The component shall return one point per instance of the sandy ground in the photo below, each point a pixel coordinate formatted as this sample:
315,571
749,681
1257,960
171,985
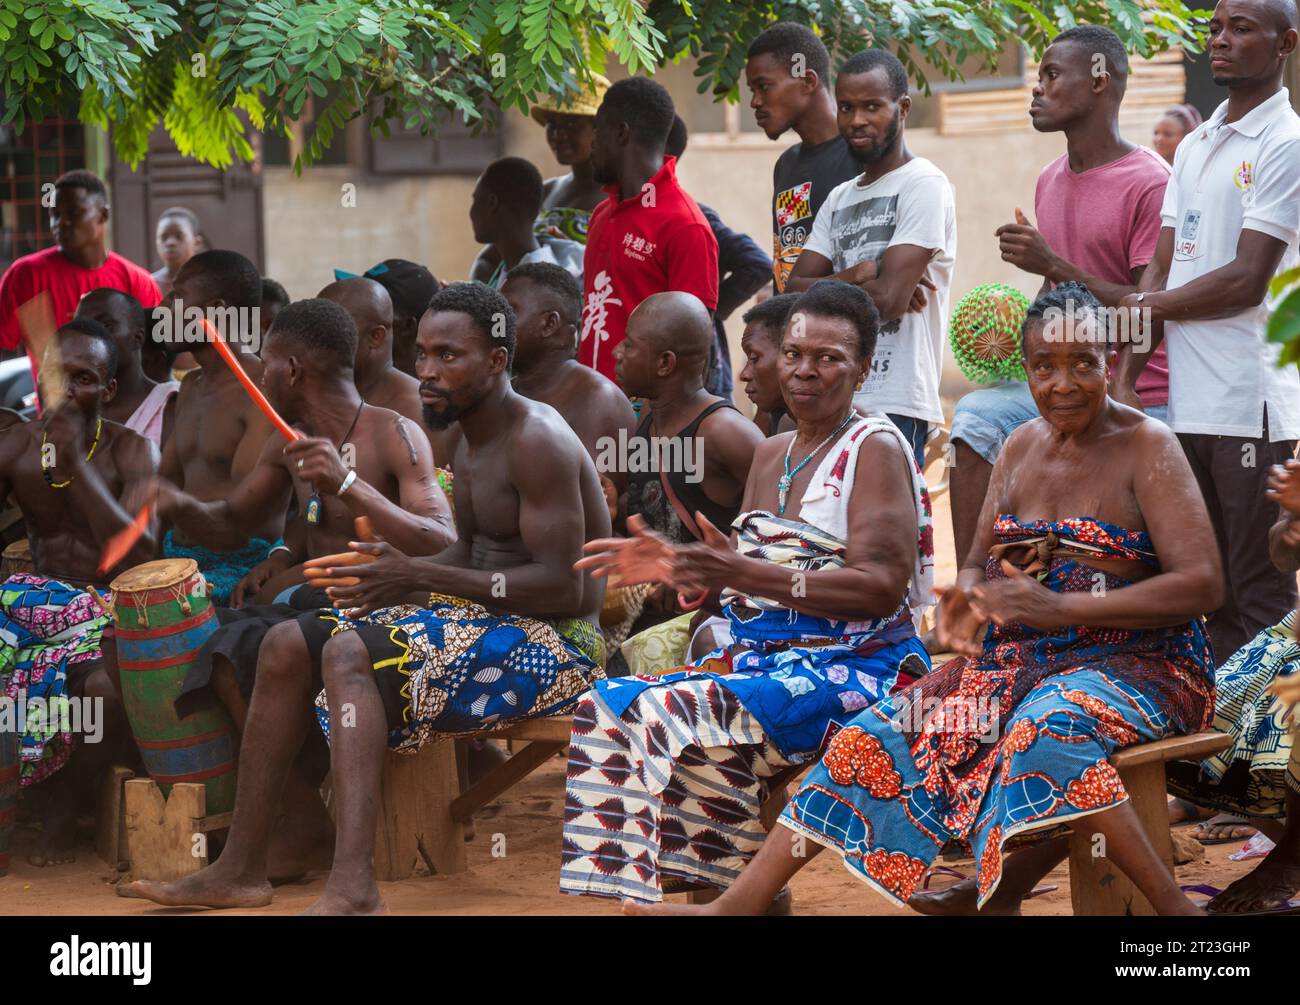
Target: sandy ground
524,881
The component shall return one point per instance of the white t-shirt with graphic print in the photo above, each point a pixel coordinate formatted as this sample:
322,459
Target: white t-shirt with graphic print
913,204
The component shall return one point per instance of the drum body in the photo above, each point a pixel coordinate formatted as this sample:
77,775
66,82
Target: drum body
17,557
8,791
163,616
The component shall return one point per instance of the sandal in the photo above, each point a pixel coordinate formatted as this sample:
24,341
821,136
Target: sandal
1223,829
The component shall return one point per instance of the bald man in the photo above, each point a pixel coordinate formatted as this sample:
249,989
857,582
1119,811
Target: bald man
380,383
692,451
547,302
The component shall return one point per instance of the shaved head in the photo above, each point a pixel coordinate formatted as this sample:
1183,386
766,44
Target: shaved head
675,322
1283,13
367,302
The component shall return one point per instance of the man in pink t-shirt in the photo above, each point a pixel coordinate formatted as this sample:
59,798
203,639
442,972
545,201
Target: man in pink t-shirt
40,292
1098,210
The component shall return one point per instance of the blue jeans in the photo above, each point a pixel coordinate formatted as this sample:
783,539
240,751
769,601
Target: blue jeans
916,431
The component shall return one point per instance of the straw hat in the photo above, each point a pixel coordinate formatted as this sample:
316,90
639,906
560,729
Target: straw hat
581,103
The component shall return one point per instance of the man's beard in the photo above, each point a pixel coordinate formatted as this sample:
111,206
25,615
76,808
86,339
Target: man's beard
438,421
873,154
1228,81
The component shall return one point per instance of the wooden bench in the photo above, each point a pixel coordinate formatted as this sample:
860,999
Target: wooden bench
1097,887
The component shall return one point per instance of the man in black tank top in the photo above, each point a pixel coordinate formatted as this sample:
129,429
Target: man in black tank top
692,450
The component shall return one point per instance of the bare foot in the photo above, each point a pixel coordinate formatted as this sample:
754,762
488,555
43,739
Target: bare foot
335,904
1272,883
959,900
50,853
633,908
1181,811
206,888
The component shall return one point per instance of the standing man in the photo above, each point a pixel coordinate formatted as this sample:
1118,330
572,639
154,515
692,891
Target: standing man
789,74
141,403
743,270
1098,213
502,211
1231,218
889,231
649,236
40,292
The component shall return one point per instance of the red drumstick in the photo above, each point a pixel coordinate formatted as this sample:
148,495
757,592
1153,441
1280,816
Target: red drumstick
223,350
121,543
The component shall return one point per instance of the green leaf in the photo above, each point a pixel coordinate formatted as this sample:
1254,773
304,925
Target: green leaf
1284,322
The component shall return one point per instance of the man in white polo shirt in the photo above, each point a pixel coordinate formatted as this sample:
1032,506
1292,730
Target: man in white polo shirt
1231,217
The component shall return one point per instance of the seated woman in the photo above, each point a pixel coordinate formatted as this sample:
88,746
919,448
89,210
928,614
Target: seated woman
1094,561
1258,777
666,775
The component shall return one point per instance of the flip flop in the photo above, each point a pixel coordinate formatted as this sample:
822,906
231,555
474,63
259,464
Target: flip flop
1231,823
1289,907
958,877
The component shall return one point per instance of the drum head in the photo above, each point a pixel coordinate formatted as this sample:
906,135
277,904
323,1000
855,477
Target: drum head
157,575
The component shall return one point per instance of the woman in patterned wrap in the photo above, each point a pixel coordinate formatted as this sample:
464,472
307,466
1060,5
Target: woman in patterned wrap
666,775
1077,617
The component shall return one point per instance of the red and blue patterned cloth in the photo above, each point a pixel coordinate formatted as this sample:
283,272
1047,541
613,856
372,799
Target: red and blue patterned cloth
1012,742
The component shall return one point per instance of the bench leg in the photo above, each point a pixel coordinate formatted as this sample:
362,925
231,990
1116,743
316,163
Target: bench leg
503,776
166,838
1097,887
415,822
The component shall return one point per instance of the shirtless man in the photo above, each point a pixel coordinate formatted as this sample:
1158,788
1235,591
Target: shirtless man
547,302
527,497
357,460
67,472
141,403
380,383
220,433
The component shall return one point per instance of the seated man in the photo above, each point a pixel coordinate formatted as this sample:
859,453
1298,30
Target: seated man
308,358
69,472
761,344
692,451
547,302
498,627
834,526
1258,777
379,382
219,432
142,404
1094,573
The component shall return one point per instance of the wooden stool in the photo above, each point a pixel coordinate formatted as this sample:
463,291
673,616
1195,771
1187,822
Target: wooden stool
1096,885
415,820
167,839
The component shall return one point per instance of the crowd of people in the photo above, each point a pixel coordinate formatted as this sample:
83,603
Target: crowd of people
530,493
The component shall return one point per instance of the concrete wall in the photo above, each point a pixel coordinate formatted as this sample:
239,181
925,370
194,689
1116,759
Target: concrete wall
309,231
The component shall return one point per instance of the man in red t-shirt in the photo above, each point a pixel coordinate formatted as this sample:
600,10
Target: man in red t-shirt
649,236
40,292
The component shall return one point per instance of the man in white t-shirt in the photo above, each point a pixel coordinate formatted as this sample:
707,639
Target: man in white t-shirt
893,232
1231,217
502,211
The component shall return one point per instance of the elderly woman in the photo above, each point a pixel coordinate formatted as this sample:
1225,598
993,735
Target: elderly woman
1086,583
666,774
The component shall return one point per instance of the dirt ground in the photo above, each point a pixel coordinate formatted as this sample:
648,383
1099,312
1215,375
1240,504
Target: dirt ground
524,881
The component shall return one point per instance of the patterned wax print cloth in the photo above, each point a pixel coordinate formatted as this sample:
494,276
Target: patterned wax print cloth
46,628
454,668
1014,741
1252,776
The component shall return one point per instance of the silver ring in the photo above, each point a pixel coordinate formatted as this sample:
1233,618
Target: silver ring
300,464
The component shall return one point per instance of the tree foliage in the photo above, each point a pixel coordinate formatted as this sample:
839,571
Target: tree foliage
208,69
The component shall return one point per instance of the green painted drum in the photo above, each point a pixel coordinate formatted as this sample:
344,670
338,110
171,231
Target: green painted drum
163,616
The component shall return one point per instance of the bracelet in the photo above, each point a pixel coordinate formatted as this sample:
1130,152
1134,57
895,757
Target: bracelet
347,482
280,547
